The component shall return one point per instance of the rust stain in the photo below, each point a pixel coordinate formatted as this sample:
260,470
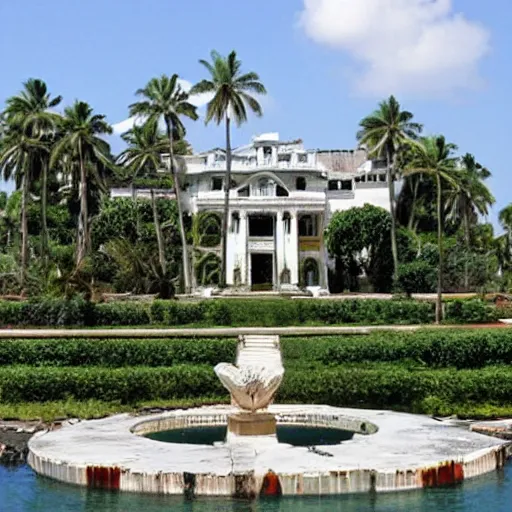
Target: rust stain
189,485
447,473
100,477
271,485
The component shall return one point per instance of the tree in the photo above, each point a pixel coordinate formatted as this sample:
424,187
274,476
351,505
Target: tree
144,152
31,110
360,239
81,143
163,98
470,199
433,156
385,132
16,153
231,96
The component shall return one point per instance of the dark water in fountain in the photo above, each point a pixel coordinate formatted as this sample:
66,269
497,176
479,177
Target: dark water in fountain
22,491
287,434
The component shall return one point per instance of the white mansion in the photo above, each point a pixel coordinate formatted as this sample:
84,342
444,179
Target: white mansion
282,197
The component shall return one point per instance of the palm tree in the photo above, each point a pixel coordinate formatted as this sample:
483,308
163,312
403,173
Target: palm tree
81,143
470,199
385,132
144,152
17,151
163,98
231,89
31,110
433,156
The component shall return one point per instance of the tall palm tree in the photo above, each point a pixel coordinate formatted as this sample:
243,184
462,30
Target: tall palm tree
144,152
232,95
81,142
385,132
31,110
17,151
470,199
163,98
433,156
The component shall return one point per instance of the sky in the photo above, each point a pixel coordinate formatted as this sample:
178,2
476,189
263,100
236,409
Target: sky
325,63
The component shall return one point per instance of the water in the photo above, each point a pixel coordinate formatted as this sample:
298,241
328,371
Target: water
288,434
22,491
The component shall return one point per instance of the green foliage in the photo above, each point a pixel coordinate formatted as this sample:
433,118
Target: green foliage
417,277
206,229
471,311
127,385
116,352
361,239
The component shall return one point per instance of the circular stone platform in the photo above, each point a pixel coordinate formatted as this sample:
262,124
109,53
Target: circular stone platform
392,452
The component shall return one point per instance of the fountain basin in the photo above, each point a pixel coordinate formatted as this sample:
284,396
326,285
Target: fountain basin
389,452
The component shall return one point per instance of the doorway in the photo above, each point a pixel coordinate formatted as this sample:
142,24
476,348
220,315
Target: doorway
262,271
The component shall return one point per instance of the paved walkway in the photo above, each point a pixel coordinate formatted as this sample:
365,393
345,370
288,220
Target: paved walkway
226,331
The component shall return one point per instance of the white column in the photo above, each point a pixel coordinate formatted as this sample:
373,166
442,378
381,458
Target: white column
292,249
274,155
279,244
242,246
259,156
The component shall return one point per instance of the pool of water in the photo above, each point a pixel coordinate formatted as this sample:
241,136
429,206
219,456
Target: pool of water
22,491
289,434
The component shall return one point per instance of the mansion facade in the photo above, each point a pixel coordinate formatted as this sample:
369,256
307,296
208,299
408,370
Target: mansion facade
282,197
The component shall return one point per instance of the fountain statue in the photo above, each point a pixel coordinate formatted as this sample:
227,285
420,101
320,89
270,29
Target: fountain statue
253,382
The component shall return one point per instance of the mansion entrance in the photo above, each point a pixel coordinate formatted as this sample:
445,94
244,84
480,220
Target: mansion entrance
262,271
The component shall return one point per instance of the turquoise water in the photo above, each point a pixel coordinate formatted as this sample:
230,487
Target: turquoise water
22,491
288,434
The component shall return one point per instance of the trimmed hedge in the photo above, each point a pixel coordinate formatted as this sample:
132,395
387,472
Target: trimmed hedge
381,386
127,385
225,312
116,352
426,348
430,348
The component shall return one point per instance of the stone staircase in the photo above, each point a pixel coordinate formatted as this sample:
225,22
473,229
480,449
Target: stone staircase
259,351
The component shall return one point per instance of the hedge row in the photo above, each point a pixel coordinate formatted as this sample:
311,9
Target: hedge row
441,348
381,386
431,348
238,312
116,352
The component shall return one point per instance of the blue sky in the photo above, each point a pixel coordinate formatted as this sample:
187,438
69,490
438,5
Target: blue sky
325,63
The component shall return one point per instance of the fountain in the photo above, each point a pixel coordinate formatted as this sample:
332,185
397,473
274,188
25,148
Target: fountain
251,447
253,383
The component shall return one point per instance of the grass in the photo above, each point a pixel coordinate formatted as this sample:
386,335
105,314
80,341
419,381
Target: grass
92,409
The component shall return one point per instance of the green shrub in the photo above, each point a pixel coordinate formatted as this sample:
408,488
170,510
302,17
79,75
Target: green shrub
128,385
416,277
429,348
473,311
116,352
121,313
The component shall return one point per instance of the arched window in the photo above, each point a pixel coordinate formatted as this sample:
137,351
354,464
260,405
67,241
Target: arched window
311,272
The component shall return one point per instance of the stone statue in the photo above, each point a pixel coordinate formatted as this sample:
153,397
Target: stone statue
258,373
251,387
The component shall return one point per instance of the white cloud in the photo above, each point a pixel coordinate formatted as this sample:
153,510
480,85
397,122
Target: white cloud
401,46
199,100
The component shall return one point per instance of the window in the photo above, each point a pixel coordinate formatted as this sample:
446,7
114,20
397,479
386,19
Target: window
308,225
287,223
333,185
382,177
217,183
302,158
300,183
235,222
346,185
264,187
284,158
261,225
